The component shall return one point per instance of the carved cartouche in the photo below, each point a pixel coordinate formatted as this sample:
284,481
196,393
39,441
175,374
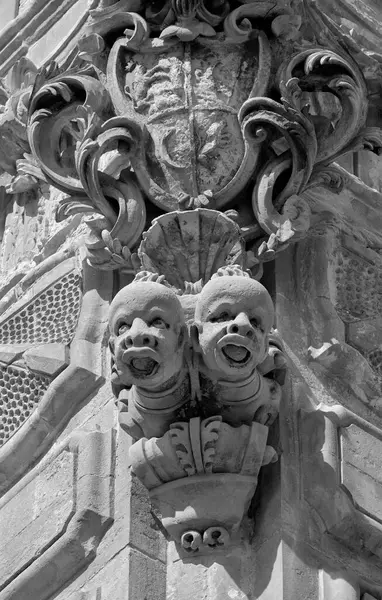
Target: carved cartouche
148,335
233,320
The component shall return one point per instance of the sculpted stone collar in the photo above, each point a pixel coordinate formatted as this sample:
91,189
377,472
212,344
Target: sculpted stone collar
166,399
233,392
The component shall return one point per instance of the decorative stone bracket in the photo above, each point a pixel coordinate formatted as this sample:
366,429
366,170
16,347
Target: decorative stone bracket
198,372
202,476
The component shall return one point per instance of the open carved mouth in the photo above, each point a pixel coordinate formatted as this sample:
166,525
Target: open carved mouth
236,354
143,366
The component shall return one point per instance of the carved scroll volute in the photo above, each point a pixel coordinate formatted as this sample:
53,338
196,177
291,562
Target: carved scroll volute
83,152
54,127
312,139
321,71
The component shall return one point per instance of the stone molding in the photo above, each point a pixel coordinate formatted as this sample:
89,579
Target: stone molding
78,381
346,508
28,27
76,545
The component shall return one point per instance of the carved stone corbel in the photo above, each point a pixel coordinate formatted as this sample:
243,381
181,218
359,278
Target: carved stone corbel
201,476
197,370
185,113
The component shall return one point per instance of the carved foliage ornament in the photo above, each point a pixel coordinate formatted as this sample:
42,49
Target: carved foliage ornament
186,104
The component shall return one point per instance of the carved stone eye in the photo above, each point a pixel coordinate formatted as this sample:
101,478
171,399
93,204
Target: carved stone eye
122,328
159,323
256,323
224,316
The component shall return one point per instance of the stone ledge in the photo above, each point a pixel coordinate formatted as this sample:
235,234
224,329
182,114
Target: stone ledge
69,551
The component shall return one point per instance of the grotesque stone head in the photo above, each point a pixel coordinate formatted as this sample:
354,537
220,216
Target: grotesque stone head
147,335
233,318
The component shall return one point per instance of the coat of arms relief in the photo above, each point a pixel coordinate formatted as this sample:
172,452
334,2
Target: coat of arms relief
179,105
190,133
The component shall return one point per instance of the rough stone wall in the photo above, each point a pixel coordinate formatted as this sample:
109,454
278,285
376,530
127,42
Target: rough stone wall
75,522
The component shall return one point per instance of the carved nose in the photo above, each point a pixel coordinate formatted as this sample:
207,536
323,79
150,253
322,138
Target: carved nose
139,336
241,325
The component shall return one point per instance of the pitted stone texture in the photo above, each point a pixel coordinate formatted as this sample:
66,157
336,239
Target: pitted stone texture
365,335
375,359
359,287
20,393
51,317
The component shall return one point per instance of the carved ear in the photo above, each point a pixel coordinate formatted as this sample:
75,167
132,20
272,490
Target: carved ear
114,372
114,377
266,350
182,335
195,329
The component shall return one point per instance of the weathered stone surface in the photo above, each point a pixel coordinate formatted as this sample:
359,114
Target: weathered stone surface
361,469
37,516
80,514
9,353
44,415
49,359
213,367
241,107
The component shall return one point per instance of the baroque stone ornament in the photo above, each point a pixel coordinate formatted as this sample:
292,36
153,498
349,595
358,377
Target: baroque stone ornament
165,116
186,104
197,370
202,476
19,171
148,334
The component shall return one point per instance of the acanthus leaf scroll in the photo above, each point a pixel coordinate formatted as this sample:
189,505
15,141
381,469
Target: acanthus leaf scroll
189,105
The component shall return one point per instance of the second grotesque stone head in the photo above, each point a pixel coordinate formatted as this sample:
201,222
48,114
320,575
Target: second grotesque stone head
147,335
233,319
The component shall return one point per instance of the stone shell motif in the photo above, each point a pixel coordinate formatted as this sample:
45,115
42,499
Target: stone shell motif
191,246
